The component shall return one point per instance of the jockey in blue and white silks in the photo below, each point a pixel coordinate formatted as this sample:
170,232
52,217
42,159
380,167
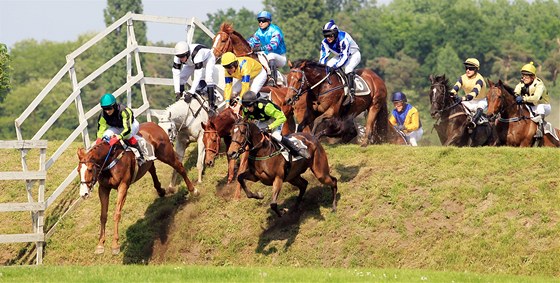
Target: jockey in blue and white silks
346,50
269,39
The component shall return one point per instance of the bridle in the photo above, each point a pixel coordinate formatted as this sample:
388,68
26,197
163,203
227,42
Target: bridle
503,107
216,141
246,142
228,43
440,100
97,169
304,81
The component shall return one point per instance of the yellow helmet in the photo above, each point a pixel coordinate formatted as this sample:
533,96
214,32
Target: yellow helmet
228,58
529,69
472,62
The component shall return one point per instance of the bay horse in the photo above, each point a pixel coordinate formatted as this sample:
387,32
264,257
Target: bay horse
115,168
452,120
514,125
267,165
346,130
220,126
325,93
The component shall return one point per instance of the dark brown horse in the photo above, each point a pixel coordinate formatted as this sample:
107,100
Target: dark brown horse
268,166
514,125
115,168
325,93
346,130
219,127
452,120
229,40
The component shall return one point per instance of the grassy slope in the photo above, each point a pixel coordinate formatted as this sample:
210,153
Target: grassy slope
480,210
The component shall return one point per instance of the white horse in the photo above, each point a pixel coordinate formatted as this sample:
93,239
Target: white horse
182,122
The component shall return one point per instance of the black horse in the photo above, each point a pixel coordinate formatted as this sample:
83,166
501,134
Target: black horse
452,121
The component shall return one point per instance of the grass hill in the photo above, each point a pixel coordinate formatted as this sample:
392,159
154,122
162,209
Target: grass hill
485,210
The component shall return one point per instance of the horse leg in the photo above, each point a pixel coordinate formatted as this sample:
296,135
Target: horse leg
231,162
370,122
157,184
276,188
248,176
104,200
121,198
180,149
243,164
200,159
320,168
174,160
319,120
301,184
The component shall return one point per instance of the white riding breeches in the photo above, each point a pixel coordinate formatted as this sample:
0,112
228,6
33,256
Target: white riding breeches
209,73
115,131
415,136
280,59
256,83
351,63
541,109
474,104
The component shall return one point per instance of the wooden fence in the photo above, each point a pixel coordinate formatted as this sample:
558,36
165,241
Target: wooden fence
36,207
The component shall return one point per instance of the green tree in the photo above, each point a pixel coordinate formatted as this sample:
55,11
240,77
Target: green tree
5,70
244,21
117,40
448,62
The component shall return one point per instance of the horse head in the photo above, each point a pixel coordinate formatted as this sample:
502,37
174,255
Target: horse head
500,97
90,166
211,140
296,84
168,125
438,95
229,40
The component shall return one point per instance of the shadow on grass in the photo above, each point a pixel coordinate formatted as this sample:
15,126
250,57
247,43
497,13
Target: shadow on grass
286,228
141,236
347,173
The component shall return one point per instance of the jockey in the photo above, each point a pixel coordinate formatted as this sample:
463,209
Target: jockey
269,38
474,85
346,50
194,60
248,71
117,122
531,91
268,117
405,118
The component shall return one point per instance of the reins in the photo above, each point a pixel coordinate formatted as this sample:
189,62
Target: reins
299,92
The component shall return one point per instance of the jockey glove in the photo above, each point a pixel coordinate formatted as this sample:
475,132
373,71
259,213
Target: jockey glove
256,48
98,141
519,99
399,127
177,96
113,141
468,97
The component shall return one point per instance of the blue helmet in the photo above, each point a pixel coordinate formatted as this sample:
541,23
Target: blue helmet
398,96
107,100
265,15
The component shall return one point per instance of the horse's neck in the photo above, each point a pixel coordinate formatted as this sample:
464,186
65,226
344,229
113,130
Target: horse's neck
240,45
224,124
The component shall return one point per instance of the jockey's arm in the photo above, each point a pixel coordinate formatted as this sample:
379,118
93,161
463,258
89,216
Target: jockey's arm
392,120
343,57
101,126
455,89
274,42
325,52
476,90
254,40
128,118
197,75
413,122
277,115
228,88
176,71
536,96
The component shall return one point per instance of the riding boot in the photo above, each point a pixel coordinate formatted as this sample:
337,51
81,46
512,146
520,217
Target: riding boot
146,150
477,116
211,100
351,86
179,94
294,150
540,127
273,72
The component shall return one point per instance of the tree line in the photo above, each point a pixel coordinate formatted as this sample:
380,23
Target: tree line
404,42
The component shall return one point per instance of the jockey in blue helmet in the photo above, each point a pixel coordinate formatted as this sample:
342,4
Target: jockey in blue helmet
269,39
346,50
405,118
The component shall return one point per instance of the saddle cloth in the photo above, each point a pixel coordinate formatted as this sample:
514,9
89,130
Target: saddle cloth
482,120
361,87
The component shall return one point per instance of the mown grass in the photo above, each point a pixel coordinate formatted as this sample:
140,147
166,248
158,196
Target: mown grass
483,210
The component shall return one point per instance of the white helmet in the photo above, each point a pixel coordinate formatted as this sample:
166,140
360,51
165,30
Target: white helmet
181,48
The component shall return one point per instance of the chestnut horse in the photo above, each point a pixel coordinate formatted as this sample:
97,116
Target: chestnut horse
115,168
514,125
325,94
267,165
220,126
229,40
452,120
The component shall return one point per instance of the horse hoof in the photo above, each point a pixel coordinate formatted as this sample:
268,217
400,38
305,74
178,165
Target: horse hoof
116,251
260,195
99,250
195,193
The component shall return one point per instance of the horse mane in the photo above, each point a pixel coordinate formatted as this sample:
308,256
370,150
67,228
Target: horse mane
226,27
218,119
509,89
307,62
442,79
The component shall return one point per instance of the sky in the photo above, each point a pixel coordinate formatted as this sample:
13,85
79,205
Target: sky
64,20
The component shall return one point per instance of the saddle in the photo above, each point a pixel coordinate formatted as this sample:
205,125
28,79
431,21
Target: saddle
360,85
286,152
143,150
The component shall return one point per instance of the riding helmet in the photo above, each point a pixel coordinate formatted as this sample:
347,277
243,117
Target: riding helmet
181,48
472,62
529,69
265,15
398,96
107,100
249,98
228,58
330,28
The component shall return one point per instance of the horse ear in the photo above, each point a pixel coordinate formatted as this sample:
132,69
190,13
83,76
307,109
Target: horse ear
211,124
431,78
290,64
81,153
490,83
204,126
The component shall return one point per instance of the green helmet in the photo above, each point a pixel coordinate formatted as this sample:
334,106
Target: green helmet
107,100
